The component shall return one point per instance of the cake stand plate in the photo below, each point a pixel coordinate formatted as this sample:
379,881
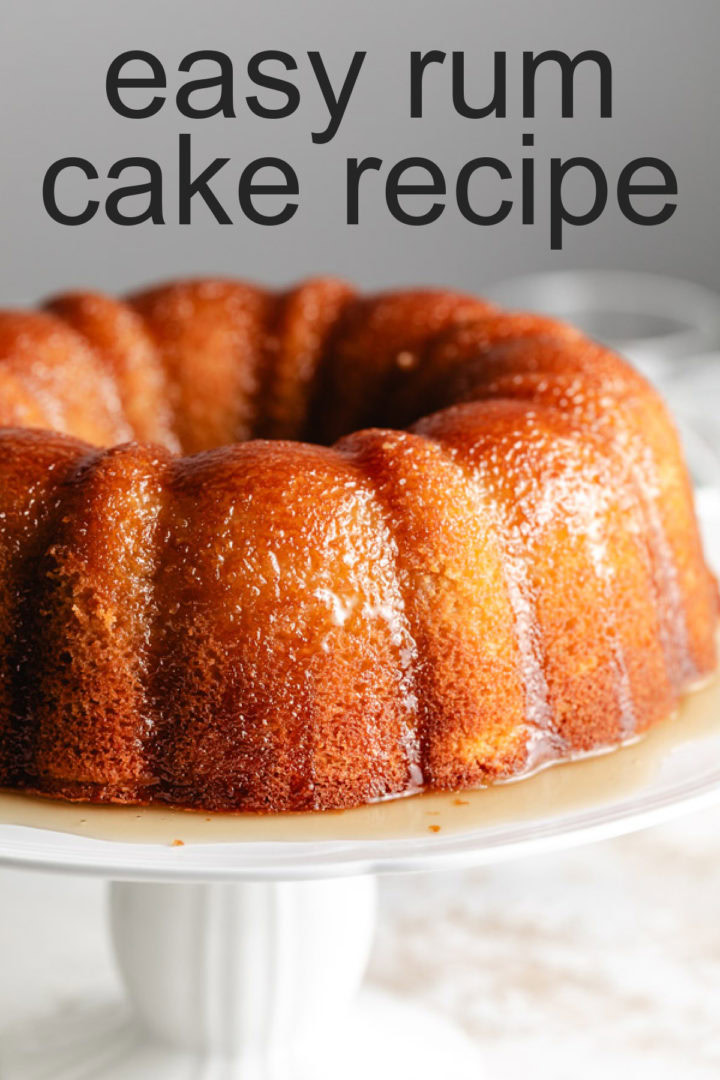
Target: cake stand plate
242,959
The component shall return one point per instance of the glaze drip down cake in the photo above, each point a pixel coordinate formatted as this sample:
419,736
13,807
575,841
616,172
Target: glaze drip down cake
305,550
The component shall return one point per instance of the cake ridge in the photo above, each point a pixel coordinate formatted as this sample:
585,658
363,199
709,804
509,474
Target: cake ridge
408,650
538,709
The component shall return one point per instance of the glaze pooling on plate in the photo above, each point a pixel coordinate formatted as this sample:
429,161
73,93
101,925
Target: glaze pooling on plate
550,794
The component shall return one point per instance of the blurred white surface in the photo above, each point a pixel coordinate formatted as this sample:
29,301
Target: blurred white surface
692,390
598,960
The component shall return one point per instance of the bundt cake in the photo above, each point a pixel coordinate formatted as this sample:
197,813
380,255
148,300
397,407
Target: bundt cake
307,550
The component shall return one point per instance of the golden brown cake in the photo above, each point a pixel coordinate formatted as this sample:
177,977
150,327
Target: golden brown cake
306,550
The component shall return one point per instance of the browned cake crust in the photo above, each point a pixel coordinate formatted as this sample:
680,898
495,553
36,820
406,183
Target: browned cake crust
497,564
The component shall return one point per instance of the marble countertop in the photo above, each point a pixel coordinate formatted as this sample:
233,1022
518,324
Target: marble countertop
604,958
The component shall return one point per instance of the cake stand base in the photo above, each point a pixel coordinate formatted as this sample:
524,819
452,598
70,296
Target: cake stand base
256,981
383,1038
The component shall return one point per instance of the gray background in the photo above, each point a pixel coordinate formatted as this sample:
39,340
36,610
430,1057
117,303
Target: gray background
52,103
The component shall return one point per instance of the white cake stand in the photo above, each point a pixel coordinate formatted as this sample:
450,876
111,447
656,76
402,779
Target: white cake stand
243,959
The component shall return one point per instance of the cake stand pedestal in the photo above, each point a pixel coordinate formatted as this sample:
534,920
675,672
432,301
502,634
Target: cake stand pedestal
253,981
257,981
244,960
